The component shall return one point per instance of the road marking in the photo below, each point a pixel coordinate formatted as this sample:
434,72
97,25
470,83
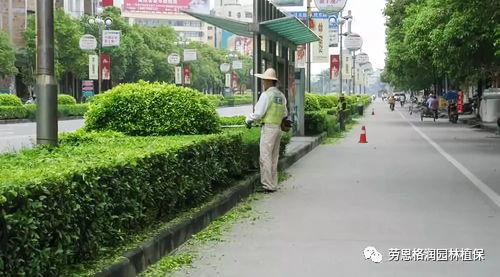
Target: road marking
469,175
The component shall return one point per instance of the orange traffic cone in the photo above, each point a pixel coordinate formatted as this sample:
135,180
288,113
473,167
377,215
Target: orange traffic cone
362,137
373,111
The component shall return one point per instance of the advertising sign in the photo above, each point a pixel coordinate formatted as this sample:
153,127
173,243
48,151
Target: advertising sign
189,55
87,88
237,64
330,6
88,42
165,6
106,3
289,3
110,38
362,58
174,58
187,76
93,67
300,56
334,66
105,67
353,42
333,31
178,75
320,49
303,15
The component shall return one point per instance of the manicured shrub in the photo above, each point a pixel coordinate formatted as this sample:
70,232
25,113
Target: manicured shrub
72,110
10,100
325,102
143,109
334,98
311,103
234,120
31,111
65,99
315,122
13,112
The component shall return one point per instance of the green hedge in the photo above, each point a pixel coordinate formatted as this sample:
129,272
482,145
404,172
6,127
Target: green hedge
233,120
28,111
65,99
238,99
62,205
10,100
143,109
311,103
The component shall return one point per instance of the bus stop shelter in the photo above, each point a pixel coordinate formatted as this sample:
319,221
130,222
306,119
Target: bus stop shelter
275,40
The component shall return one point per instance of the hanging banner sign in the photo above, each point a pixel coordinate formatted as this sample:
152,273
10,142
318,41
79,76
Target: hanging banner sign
187,76
106,3
189,55
334,66
320,49
333,32
105,67
353,42
346,65
330,6
300,56
178,75
88,42
227,82
93,67
303,15
110,38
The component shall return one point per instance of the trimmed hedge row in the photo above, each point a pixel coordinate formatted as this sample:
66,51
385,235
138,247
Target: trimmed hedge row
62,205
233,120
28,111
322,111
238,99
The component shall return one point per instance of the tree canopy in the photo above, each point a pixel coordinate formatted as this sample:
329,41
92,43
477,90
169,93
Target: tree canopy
7,56
430,39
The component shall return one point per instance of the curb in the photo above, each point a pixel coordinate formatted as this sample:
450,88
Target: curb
25,120
138,259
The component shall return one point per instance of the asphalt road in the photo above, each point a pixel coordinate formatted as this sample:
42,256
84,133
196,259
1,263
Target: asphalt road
414,185
22,135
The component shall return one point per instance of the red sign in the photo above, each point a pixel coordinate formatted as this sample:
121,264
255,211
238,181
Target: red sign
106,3
165,6
334,66
460,102
105,67
187,75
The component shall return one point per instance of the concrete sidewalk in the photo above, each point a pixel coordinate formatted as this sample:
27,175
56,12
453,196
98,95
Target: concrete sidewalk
396,192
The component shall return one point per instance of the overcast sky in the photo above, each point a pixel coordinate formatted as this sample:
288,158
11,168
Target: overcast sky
368,22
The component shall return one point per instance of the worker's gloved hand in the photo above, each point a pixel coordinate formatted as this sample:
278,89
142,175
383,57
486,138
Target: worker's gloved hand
248,122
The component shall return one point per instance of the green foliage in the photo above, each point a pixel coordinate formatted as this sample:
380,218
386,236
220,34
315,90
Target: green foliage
65,99
311,103
98,188
10,100
152,109
29,111
429,39
315,122
13,112
7,56
234,120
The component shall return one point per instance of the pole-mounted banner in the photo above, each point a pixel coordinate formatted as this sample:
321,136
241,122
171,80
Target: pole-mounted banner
330,7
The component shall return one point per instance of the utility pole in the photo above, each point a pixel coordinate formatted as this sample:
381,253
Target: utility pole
46,88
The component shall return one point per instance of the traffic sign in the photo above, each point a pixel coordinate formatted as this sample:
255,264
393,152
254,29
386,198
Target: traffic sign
237,64
88,42
225,67
174,58
189,55
110,38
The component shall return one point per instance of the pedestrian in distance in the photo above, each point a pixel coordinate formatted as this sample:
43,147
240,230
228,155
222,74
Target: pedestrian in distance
270,110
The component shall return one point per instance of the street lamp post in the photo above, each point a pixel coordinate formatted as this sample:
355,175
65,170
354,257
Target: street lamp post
182,42
100,23
46,88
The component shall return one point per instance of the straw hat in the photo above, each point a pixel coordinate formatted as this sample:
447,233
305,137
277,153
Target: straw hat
269,74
